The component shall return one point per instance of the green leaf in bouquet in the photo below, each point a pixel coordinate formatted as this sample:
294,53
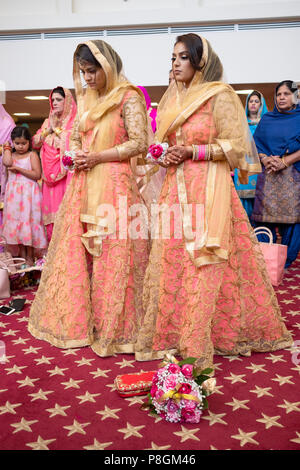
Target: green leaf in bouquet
201,378
205,403
188,360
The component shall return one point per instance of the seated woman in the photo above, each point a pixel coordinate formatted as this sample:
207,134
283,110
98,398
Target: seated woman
277,199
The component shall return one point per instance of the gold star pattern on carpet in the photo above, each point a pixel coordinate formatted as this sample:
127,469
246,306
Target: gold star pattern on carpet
9,408
187,434
131,431
109,413
27,382
15,369
275,358
238,404
283,380
289,407
76,428
40,444
40,395
214,418
20,341
125,363
256,368
270,421
157,447
296,440
98,445
56,371
245,437
58,410
84,362
44,360
88,397
262,392
23,425
72,384
100,373
31,350
235,378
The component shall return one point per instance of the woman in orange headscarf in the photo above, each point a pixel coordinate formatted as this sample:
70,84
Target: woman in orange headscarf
53,139
91,286
206,288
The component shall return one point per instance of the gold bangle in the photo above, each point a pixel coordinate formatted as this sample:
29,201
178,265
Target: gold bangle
284,162
195,151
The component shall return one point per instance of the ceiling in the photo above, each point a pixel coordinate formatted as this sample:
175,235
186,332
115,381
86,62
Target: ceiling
39,110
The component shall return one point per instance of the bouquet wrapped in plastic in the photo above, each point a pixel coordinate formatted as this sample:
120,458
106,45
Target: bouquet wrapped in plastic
178,393
68,160
156,152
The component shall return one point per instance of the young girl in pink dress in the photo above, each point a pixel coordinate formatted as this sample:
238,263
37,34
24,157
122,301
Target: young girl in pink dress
22,217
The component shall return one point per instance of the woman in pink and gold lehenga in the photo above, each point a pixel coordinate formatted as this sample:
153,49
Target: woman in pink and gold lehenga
206,291
53,139
91,287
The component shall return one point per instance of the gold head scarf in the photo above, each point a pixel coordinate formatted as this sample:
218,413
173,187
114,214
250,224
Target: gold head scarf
176,106
99,114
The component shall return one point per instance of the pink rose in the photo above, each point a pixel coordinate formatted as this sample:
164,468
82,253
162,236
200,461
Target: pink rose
153,390
174,368
172,407
190,416
185,388
159,394
156,150
187,370
171,382
189,404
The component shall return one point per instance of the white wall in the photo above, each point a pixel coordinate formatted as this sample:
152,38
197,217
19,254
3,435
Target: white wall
257,56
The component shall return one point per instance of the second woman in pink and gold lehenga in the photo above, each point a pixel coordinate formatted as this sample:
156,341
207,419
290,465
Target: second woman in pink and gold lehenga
207,290
91,287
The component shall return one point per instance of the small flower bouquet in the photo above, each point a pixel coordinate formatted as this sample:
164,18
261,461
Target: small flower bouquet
68,160
156,152
178,393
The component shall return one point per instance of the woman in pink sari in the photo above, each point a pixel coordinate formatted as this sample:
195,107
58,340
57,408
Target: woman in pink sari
206,287
53,139
91,286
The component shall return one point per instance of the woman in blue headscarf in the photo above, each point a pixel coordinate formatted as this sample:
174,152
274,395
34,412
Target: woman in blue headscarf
255,108
277,199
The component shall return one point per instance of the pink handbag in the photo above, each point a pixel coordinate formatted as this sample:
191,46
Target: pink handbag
275,256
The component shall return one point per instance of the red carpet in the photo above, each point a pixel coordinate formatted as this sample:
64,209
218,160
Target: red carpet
65,399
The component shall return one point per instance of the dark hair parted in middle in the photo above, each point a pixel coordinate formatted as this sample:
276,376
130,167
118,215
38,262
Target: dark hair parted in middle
194,45
21,131
59,90
84,54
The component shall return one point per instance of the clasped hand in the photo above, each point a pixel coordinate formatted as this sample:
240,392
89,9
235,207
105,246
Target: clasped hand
176,155
84,160
273,164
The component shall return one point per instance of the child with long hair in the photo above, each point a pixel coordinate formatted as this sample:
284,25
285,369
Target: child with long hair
22,218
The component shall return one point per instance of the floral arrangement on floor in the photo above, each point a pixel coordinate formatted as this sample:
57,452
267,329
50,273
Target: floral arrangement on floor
68,160
179,393
156,152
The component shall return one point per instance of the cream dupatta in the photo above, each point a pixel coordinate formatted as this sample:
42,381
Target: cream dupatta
234,143
99,115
